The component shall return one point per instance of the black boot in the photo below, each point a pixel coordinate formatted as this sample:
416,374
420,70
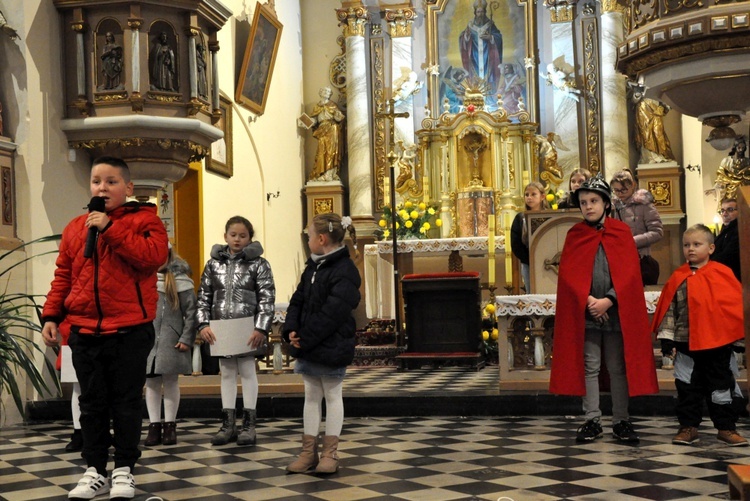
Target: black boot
154,435
76,442
247,434
228,431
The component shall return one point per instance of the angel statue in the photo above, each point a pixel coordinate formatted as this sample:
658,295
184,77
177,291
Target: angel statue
547,148
560,80
650,136
405,180
733,172
406,85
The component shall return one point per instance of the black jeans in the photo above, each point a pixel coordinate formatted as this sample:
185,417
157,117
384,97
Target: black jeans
111,370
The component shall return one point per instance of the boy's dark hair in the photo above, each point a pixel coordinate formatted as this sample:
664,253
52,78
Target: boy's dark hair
116,162
701,228
240,220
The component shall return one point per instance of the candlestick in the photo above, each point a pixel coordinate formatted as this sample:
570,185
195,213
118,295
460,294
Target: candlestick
508,256
425,189
386,191
491,250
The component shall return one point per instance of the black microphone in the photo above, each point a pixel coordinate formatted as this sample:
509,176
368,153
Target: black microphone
95,205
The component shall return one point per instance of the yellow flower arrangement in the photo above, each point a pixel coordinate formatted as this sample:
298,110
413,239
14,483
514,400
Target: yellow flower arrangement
413,220
488,345
554,197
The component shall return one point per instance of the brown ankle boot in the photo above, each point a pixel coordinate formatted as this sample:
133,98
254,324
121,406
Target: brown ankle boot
329,458
308,458
154,435
170,433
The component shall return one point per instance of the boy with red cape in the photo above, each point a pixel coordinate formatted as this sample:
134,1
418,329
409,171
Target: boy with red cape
599,277
697,294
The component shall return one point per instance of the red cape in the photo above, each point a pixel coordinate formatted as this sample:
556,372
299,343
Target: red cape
573,287
714,295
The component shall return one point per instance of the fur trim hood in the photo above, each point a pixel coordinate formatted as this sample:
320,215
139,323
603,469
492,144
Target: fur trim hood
253,251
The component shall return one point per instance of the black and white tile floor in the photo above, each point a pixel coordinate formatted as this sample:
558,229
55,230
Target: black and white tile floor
401,458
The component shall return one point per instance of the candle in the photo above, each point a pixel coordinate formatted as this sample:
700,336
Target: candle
508,255
425,189
386,191
491,250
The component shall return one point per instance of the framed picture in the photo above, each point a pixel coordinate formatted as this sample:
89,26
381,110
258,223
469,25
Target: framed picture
485,48
220,158
260,56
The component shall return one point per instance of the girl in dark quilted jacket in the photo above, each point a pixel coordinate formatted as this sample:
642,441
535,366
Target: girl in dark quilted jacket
320,328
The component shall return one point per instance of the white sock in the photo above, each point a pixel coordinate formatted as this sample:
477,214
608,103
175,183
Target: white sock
171,397
153,398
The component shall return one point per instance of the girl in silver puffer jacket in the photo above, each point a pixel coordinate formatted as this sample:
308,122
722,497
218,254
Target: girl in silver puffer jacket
237,283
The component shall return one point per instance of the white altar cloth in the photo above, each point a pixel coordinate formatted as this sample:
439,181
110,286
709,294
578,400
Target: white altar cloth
379,265
544,304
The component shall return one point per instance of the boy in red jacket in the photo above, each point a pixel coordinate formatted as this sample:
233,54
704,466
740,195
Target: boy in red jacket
699,292
110,300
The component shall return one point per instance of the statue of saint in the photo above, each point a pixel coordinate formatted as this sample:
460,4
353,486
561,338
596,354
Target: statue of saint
650,137
111,64
164,66
328,130
547,148
733,171
200,53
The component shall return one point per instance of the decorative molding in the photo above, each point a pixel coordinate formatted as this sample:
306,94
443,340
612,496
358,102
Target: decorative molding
165,98
377,60
197,151
400,21
7,193
662,192
612,6
354,20
322,205
592,91
337,68
117,96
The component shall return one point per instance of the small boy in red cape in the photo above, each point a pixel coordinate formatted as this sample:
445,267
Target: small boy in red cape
599,278
697,294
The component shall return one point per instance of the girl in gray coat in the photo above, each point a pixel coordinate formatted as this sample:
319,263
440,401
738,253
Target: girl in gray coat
636,208
175,334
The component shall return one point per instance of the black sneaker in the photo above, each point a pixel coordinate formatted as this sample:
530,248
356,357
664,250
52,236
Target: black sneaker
624,432
589,431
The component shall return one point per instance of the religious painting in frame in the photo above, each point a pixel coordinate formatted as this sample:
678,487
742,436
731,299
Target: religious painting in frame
258,61
482,44
220,158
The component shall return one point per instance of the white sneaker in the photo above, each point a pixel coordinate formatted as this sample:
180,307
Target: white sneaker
123,484
91,485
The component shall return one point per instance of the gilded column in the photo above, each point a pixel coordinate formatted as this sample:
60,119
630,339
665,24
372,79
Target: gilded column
354,20
614,100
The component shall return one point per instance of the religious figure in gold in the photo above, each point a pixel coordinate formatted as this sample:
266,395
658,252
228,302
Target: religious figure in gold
650,137
733,171
550,171
329,133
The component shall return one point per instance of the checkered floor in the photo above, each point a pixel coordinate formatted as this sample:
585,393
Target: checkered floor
518,458
386,380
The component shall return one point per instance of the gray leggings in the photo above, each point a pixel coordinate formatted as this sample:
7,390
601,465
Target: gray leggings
610,345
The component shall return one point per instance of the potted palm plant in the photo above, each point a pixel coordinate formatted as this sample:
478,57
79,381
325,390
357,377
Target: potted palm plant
20,313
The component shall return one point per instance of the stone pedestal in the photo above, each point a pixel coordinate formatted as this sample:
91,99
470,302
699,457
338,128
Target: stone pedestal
324,197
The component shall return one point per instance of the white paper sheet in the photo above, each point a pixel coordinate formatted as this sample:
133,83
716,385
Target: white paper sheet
232,336
67,372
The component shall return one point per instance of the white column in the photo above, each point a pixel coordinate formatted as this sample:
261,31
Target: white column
614,100
565,108
135,53
357,114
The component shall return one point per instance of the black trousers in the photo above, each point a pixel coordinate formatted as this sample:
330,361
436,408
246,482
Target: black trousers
710,373
111,370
